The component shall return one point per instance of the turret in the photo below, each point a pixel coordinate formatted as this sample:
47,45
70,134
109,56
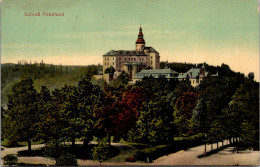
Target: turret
140,42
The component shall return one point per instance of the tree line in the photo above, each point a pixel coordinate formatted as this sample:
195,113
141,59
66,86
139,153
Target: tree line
153,111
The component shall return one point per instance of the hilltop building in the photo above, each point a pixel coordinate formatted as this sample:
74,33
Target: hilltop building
131,61
145,62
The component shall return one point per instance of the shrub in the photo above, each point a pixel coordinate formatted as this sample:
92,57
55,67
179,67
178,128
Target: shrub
152,152
191,141
66,159
12,144
131,159
53,151
161,150
189,133
110,69
101,151
26,153
10,159
139,145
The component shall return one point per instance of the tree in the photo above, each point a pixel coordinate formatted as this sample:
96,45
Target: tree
251,76
70,113
243,108
249,137
110,69
156,85
123,78
134,98
2,118
100,152
198,114
90,100
21,115
217,93
66,159
43,99
178,90
155,124
51,123
183,111
116,118
216,132
119,111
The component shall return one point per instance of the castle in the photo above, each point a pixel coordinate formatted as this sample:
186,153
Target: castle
131,61
145,62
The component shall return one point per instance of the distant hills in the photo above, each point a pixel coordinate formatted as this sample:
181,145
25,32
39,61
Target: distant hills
51,76
56,76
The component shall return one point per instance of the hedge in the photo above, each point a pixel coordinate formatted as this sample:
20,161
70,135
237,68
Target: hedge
157,151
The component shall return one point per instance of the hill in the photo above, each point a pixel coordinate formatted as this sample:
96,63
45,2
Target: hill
56,76
52,76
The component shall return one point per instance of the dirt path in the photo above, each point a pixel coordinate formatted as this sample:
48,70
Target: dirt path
49,161
183,157
224,157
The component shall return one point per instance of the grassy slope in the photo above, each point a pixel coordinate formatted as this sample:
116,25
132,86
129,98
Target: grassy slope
57,81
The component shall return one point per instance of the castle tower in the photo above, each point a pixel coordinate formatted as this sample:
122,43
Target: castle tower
140,43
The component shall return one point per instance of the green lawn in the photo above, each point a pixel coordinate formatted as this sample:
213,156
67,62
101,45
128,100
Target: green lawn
5,143
124,153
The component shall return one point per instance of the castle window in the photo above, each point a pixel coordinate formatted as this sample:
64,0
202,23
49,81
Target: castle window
134,59
129,58
151,62
105,64
113,63
113,58
140,59
105,58
125,58
119,58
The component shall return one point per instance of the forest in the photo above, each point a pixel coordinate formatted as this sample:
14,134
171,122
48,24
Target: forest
153,111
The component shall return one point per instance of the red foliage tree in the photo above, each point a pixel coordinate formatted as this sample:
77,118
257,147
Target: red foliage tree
119,115
183,110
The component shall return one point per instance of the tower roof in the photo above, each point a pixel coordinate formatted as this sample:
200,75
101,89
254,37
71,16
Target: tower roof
140,39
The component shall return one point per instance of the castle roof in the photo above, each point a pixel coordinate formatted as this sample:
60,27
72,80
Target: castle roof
192,73
140,39
125,53
150,49
167,73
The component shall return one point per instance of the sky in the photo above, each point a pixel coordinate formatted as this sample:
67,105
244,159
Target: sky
192,31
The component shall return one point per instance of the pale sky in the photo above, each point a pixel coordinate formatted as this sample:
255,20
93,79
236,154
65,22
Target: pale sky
192,31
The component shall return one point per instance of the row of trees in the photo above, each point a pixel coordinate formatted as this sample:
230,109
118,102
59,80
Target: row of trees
36,70
153,111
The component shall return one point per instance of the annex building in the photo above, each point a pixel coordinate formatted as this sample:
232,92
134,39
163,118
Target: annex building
194,75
